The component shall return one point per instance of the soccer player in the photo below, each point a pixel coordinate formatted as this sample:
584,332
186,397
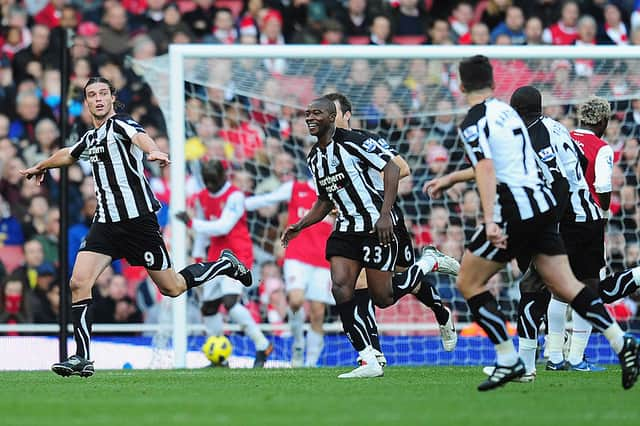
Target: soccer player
306,274
223,225
125,224
366,228
578,214
593,118
519,217
426,292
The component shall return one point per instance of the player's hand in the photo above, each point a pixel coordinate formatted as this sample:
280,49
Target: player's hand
289,234
384,228
34,171
495,235
161,157
434,188
183,217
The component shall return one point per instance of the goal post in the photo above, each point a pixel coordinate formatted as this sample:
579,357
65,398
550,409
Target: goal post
193,63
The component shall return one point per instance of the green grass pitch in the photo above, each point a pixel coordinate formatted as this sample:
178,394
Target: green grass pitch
405,396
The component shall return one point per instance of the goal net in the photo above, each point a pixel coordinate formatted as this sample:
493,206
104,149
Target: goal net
244,104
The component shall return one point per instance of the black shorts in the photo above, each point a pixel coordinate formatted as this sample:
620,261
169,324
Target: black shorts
366,248
538,235
585,247
138,240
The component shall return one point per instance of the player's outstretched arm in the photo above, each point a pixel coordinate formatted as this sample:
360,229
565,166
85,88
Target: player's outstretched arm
60,158
384,224
434,187
405,170
320,209
145,143
486,181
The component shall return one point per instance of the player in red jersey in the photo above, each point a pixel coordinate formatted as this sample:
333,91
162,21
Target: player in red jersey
224,226
597,162
306,271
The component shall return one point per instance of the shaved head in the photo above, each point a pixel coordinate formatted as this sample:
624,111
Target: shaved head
324,104
527,101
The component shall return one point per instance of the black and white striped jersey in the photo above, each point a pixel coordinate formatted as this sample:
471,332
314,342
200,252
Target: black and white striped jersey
122,190
341,173
552,141
492,129
374,175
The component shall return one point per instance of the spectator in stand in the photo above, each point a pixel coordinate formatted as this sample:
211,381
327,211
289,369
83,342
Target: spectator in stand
480,35
297,21
358,82
438,32
29,111
565,31
533,31
46,141
79,230
114,32
163,32
118,306
613,30
409,18
512,26
355,19
10,185
627,218
587,30
380,30
69,19
33,260
18,19
10,228
436,161
50,14
629,159
460,22
470,212
271,34
38,50
201,19
224,30
631,122
51,236
250,17
45,305
35,221
87,42
495,13
153,15
243,135
332,33
14,302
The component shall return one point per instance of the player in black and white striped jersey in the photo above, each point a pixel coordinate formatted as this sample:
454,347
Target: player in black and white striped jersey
365,234
125,224
520,219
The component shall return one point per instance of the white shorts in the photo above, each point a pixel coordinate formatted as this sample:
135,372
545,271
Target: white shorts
219,287
315,281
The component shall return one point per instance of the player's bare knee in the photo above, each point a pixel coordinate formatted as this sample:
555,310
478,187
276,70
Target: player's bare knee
79,283
382,298
170,291
295,300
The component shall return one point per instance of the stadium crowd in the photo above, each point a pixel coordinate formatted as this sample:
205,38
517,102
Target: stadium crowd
264,143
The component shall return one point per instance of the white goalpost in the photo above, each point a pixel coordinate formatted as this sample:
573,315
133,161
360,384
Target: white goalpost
591,70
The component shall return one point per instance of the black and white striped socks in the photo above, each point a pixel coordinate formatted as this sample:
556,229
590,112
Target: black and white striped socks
82,326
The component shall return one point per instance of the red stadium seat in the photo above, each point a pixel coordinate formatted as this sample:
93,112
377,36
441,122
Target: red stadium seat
185,6
234,5
409,39
11,257
358,40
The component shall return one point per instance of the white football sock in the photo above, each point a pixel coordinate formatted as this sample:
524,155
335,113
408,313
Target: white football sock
241,316
527,351
615,336
315,344
579,338
214,324
556,315
506,353
296,322
368,356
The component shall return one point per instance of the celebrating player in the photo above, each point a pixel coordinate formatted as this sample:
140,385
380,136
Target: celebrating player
367,227
223,225
125,224
426,293
519,218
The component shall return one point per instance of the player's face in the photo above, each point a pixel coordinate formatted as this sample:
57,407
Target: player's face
318,119
99,100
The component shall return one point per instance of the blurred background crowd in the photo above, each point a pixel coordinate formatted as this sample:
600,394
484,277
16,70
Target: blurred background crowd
415,104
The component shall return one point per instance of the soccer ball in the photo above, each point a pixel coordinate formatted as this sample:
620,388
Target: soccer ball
217,349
